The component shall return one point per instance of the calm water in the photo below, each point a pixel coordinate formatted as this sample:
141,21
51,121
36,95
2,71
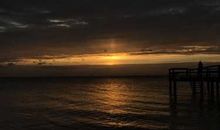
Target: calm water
105,103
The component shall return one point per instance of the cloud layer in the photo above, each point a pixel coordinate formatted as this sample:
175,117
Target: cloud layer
35,28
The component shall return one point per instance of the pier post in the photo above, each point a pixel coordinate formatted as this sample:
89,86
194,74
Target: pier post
201,90
170,83
175,91
217,84
208,83
170,87
208,88
217,90
200,79
212,90
192,83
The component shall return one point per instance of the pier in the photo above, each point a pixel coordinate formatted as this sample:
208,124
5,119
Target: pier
203,80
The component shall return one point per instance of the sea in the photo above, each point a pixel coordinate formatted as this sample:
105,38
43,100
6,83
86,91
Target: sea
111,103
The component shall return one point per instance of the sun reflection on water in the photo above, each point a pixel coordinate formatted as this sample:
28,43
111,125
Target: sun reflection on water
113,97
117,100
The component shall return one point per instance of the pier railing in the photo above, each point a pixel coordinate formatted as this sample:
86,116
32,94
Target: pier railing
213,72
198,78
185,74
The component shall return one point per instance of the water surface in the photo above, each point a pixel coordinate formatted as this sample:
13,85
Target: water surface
101,103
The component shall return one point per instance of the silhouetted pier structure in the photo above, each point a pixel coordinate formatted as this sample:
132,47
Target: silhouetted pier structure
202,80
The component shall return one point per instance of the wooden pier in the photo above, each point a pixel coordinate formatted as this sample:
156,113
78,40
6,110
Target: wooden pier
202,80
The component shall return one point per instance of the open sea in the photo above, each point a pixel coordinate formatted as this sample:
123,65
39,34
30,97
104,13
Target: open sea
101,104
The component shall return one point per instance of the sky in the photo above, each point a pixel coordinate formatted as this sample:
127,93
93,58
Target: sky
108,32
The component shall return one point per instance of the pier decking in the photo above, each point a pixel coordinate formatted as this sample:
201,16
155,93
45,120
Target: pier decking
202,80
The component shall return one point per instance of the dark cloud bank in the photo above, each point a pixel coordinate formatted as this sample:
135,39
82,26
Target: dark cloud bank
33,28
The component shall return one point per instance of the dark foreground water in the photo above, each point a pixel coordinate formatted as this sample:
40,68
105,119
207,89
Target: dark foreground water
100,104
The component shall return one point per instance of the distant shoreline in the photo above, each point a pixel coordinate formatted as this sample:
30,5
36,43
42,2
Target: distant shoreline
83,77
117,71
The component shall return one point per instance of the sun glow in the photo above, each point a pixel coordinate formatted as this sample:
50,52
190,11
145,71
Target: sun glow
113,57
116,59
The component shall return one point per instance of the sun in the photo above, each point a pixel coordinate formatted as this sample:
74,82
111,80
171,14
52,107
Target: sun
113,59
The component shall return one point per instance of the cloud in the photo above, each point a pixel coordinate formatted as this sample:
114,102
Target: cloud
168,11
34,28
10,60
210,3
67,23
35,10
2,10
17,24
200,49
11,24
2,29
184,50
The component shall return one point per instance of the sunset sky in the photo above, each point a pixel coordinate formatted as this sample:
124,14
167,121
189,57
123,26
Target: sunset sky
109,32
